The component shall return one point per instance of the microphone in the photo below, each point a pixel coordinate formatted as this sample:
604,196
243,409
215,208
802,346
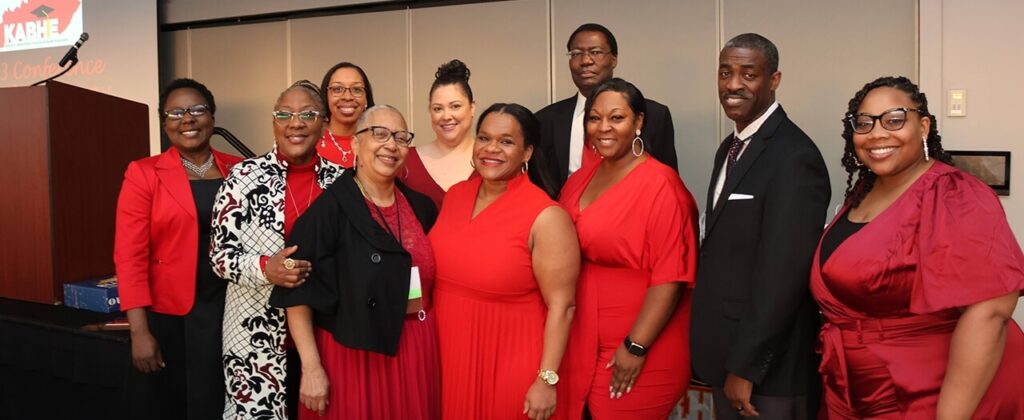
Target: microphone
73,52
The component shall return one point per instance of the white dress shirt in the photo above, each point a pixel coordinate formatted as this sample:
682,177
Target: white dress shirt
745,136
576,135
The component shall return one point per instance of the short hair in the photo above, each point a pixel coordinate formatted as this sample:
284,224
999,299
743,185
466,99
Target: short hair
362,121
342,65
594,27
453,72
752,41
530,127
634,97
308,87
185,83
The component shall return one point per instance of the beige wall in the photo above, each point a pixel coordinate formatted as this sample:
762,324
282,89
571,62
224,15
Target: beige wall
973,46
516,52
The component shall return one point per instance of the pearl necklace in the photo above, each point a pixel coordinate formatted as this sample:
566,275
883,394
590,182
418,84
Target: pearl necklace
199,170
344,153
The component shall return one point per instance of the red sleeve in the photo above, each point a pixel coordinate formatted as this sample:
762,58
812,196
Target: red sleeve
671,234
967,252
131,239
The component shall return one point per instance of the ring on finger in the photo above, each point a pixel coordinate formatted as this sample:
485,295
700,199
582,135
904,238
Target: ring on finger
288,263
739,408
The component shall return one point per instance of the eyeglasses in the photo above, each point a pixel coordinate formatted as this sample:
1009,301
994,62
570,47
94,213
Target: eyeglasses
285,117
338,90
892,120
383,134
593,53
194,110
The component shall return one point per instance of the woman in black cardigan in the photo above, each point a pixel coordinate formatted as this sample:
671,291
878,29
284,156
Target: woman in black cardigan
372,273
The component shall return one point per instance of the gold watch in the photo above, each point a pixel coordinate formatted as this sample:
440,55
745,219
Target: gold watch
549,377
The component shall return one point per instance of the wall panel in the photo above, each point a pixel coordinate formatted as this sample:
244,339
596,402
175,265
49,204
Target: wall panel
503,43
245,67
377,42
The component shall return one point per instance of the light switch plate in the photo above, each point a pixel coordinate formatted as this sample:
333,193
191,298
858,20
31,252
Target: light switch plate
957,103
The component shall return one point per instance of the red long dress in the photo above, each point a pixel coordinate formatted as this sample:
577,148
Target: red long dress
891,294
490,313
640,233
416,177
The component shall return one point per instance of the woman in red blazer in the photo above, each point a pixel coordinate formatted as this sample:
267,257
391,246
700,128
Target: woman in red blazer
173,300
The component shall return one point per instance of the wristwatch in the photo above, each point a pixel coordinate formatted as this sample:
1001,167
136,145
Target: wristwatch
549,377
634,348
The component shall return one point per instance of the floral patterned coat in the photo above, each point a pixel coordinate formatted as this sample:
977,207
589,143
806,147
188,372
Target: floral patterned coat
248,223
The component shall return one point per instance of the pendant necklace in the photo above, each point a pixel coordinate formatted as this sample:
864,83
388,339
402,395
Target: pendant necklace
344,153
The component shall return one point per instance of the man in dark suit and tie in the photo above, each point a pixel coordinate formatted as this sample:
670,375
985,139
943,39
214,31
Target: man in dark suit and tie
593,55
754,322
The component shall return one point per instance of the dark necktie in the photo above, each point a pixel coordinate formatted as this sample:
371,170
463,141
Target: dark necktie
734,153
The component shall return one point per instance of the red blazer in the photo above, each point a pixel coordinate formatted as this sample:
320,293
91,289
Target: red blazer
157,232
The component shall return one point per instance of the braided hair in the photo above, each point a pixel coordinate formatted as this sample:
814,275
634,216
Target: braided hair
312,90
856,191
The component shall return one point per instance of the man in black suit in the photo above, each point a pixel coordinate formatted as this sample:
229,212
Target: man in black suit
754,323
593,55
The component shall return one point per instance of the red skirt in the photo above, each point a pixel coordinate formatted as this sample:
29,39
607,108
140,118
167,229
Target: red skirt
369,385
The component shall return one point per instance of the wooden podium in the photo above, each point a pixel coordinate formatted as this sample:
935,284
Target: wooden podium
64,151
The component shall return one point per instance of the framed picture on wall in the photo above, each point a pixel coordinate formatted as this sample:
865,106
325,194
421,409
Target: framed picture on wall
992,168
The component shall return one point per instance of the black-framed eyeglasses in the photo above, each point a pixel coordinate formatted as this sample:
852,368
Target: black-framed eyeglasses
383,134
338,90
892,120
194,110
594,53
285,117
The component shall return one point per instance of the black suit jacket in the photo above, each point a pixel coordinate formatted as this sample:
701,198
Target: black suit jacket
556,125
752,312
359,286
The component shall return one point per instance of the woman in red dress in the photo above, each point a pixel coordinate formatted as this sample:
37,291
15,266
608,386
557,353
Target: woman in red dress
347,92
917,277
362,324
437,165
628,355
507,261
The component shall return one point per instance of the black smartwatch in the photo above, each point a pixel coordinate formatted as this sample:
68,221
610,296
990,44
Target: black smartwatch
634,348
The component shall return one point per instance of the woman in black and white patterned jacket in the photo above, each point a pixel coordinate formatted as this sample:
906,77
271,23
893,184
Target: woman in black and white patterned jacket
253,214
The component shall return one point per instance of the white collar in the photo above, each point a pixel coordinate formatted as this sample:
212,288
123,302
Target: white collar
581,103
756,125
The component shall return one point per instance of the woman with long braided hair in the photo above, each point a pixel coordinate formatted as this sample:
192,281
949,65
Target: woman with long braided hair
917,277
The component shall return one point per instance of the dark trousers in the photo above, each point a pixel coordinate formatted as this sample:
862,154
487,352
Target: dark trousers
191,386
771,408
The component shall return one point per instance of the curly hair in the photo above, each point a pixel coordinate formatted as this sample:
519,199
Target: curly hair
454,72
856,191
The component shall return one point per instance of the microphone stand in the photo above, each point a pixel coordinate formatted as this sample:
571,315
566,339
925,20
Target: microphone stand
73,61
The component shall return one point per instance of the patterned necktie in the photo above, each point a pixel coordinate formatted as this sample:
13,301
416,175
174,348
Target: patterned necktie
734,153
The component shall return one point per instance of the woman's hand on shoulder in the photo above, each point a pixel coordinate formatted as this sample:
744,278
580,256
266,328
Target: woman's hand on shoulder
287,272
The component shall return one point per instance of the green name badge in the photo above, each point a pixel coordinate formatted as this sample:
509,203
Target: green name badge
415,288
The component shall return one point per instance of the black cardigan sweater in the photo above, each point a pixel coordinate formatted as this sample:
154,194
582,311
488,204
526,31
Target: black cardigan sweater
359,286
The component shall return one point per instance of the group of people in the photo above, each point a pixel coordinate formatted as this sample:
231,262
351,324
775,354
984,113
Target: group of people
554,265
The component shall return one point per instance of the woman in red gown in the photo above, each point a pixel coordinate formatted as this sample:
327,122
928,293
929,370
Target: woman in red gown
346,91
362,324
628,355
917,277
435,166
507,261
